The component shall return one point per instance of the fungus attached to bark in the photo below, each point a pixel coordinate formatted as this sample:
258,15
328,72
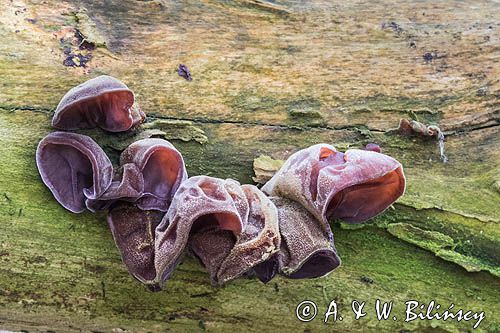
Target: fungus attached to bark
306,250
201,203
150,173
228,256
155,212
413,127
373,147
103,102
162,169
74,168
133,230
353,186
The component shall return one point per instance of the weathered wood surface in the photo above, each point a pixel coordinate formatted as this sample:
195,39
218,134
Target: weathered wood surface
269,78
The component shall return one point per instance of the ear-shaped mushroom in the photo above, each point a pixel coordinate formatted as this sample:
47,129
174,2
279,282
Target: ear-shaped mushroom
306,250
128,185
74,168
100,102
211,246
201,203
227,256
373,147
133,230
267,270
162,168
353,186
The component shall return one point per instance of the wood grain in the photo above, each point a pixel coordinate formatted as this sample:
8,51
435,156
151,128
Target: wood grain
268,78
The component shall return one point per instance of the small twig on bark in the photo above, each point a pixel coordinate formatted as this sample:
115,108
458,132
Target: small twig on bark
413,127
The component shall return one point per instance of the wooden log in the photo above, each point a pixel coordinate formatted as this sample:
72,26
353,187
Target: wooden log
268,78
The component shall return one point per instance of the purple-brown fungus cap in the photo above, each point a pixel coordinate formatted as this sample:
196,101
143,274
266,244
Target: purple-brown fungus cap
150,173
162,168
353,186
227,256
74,168
103,102
133,230
306,250
127,185
200,204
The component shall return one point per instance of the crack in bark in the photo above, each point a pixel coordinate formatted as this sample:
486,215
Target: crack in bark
455,131
449,211
259,123
470,129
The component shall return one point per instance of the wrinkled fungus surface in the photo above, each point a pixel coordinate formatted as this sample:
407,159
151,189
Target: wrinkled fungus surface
133,231
103,102
353,186
200,204
306,250
228,256
156,213
150,173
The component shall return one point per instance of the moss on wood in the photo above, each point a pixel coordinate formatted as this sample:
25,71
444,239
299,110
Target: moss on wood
263,83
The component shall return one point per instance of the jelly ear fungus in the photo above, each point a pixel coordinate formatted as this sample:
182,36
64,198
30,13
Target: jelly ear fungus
156,212
74,168
229,227
353,186
161,170
317,184
127,185
79,174
133,230
201,203
151,171
306,250
103,102
227,256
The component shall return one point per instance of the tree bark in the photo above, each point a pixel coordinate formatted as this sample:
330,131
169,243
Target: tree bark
268,78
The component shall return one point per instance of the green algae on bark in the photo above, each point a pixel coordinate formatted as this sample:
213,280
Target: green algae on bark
442,245
465,241
429,240
265,167
39,272
252,67
174,129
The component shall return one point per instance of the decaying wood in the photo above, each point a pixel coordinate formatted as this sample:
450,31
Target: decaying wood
268,78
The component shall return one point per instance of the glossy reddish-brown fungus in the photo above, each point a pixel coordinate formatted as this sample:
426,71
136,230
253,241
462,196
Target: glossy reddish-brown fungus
156,212
150,173
162,168
358,203
103,102
353,186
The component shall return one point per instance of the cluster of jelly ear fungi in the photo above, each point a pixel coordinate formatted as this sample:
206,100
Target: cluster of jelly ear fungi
155,212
